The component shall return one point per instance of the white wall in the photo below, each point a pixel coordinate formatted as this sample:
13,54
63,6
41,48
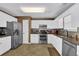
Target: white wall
74,12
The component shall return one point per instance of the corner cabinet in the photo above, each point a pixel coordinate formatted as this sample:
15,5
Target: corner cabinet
5,44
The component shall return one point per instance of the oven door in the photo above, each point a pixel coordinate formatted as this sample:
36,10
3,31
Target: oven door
43,38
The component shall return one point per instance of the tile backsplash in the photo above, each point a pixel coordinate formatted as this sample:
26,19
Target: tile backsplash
72,34
69,34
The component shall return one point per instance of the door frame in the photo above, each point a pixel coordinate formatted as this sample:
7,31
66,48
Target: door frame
20,19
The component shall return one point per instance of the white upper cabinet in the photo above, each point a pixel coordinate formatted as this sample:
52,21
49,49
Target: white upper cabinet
34,38
67,22
52,24
36,23
71,18
4,18
10,18
60,23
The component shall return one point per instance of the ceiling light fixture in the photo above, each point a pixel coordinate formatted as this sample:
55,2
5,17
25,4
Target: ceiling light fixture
33,9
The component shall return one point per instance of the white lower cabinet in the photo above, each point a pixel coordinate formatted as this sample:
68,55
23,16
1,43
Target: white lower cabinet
77,50
5,44
34,38
49,38
56,42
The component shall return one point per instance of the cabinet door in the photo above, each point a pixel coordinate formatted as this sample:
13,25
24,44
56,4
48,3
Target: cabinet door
49,38
35,38
54,24
5,44
60,23
1,46
57,43
8,45
35,24
10,18
2,22
2,19
69,49
67,23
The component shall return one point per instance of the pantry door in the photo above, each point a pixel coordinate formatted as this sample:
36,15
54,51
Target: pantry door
26,31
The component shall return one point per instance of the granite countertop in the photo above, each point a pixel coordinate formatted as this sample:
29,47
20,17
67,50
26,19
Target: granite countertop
71,40
4,36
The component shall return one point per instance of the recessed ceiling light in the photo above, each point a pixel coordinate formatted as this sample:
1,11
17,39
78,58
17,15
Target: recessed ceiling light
33,9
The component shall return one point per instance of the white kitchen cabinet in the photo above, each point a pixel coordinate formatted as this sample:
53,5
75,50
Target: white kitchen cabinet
56,42
3,23
36,23
54,24
50,24
77,50
67,22
4,18
52,40
34,38
10,18
60,23
5,44
49,38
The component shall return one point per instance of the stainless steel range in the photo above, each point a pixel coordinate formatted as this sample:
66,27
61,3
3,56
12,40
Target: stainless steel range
43,34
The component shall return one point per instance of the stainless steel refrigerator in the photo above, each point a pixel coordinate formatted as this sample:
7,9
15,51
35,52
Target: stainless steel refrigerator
15,30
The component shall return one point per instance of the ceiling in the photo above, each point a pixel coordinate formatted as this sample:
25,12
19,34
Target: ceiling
52,9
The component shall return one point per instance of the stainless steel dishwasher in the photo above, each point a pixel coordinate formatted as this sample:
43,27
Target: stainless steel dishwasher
69,49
